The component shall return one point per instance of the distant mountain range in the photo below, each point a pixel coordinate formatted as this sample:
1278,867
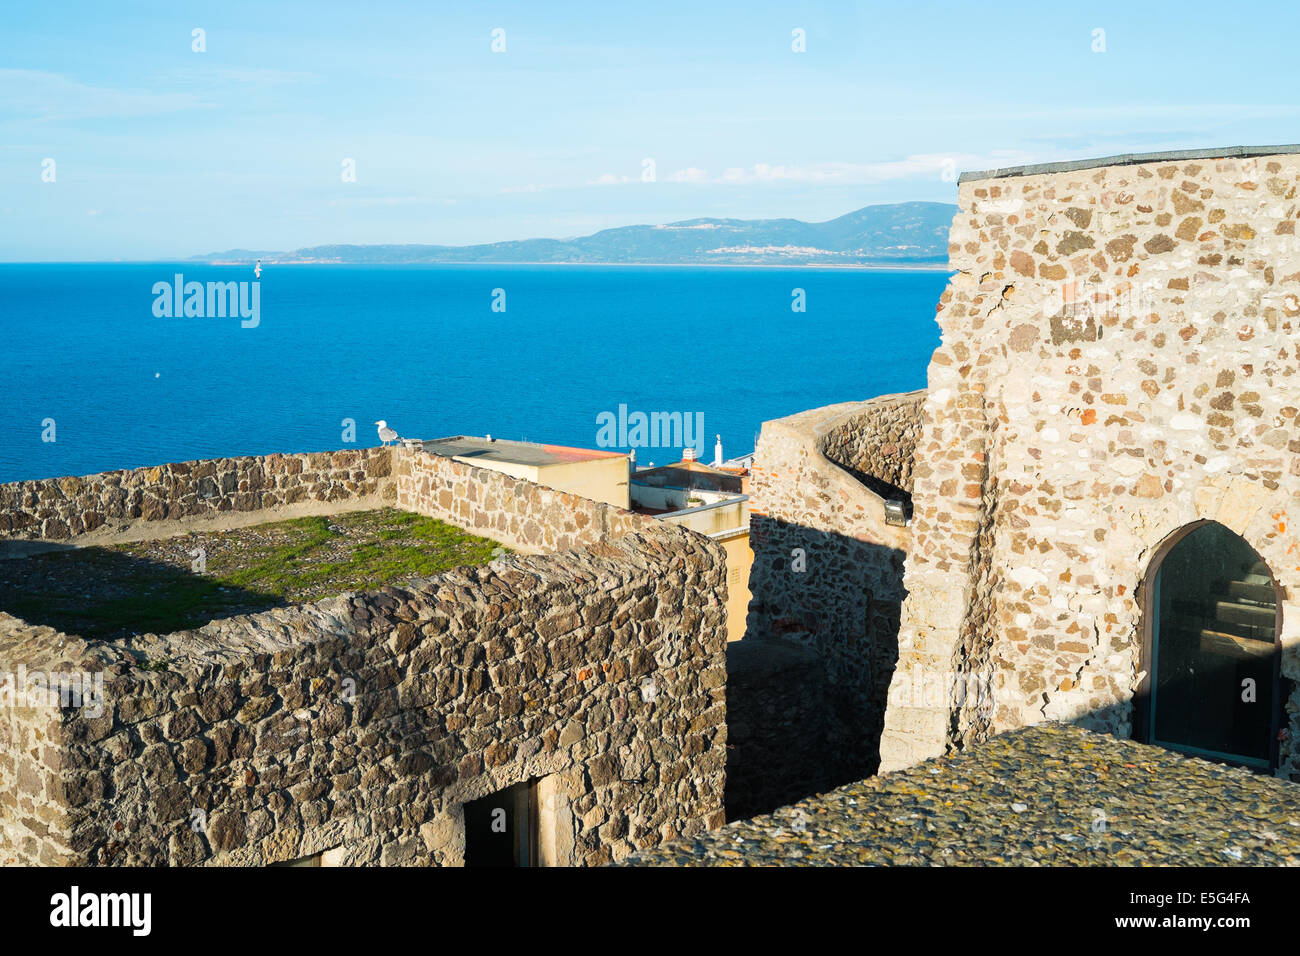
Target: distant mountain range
900,234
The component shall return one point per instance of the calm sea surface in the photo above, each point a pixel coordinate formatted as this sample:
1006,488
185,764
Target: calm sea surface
422,348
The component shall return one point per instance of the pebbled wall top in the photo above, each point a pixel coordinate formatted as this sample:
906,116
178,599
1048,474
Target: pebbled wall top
1129,159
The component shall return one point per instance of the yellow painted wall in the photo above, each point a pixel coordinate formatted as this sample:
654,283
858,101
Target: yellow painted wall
513,469
739,560
601,479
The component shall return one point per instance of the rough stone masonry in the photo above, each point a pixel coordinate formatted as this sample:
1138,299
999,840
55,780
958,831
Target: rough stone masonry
811,677
1118,360
357,727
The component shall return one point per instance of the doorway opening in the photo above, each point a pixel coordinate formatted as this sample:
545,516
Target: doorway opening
1211,650
501,828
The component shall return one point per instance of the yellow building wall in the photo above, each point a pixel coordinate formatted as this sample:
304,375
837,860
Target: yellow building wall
601,479
513,469
718,523
739,560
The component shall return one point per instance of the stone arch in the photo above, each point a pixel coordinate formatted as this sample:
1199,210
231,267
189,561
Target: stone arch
1211,650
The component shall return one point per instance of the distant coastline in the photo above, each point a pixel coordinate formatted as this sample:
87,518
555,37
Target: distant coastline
909,235
849,266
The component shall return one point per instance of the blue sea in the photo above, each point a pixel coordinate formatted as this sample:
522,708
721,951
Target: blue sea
422,347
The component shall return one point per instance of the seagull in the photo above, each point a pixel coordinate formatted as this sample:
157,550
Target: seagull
386,434
257,273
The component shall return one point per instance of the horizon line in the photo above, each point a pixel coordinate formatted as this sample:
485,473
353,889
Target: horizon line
472,245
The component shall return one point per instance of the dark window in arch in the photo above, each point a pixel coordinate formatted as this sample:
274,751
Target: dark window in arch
1211,653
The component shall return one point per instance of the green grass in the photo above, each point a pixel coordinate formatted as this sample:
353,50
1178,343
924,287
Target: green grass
370,563
140,591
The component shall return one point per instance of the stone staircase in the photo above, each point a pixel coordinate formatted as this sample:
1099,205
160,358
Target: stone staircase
1244,618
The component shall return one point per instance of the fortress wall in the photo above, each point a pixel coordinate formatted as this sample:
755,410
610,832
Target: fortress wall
35,829
827,576
358,726
879,442
1118,359
526,516
182,495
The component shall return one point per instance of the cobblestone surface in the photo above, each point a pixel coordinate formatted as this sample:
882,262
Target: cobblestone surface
1051,795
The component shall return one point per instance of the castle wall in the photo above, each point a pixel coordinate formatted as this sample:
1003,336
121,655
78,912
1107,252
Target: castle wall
514,511
165,497
358,726
827,576
34,823
1118,360
878,441
777,726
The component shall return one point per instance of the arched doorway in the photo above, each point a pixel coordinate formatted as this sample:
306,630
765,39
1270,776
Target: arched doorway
1211,653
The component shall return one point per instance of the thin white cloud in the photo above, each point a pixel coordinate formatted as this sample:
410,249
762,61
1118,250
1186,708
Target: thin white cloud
861,174
689,175
47,97
263,75
364,201
946,166
919,166
529,188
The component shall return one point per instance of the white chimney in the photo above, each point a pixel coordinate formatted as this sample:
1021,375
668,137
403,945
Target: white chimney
717,453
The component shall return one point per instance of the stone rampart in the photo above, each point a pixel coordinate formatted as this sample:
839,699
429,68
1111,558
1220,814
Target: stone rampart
1118,362
186,493
828,571
358,727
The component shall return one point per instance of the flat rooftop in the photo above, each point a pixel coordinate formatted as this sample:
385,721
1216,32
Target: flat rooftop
1131,159
512,452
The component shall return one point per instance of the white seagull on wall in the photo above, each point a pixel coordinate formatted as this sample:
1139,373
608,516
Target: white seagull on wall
386,434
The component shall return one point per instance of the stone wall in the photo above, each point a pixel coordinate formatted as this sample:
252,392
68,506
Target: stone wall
58,509
876,445
359,726
1118,360
827,574
514,511
34,820
777,726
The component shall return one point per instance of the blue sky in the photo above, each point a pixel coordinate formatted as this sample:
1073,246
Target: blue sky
161,152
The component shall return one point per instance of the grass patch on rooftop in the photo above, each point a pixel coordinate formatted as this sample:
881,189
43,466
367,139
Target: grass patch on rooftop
187,581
